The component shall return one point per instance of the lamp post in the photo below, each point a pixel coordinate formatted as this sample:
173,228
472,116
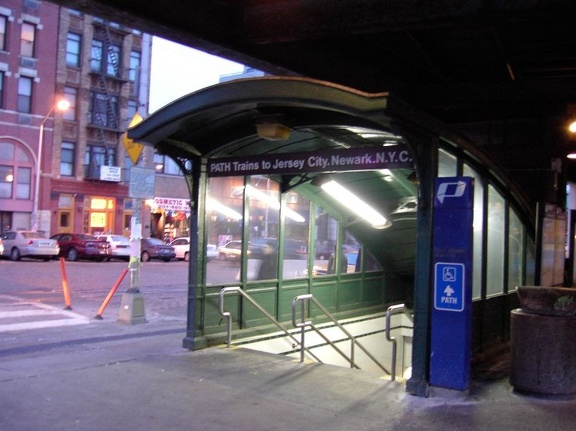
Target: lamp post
61,105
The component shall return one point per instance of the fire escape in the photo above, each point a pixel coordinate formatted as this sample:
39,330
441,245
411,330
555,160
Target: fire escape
107,81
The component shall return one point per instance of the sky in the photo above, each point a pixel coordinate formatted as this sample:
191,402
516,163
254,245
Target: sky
178,70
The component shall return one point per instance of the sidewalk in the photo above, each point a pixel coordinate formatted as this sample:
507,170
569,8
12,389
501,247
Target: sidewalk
109,376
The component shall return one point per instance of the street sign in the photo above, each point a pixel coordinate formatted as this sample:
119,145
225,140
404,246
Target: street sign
132,148
142,183
449,286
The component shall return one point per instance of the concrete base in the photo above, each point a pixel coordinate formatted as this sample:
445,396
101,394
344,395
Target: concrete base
543,353
132,309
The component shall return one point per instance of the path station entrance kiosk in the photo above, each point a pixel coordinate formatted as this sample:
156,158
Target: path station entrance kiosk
310,188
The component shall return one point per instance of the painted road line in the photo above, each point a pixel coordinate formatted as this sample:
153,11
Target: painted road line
46,316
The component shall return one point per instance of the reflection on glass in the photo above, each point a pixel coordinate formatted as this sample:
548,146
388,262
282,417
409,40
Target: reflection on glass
495,245
224,224
351,251
515,251
296,231
262,195
478,230
325,241
447,164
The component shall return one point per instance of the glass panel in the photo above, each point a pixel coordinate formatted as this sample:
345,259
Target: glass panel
113,60
478,231
495,246
262,196
27,39
6,151
296,209
70,94
67,159
6,181
2,33
23,184
351,261
22,156
447,164
73,50
515,251
530,262
24,94
96,58
325,240
224,208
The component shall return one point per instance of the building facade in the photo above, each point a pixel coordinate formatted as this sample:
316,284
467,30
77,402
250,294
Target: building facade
28,52
67,171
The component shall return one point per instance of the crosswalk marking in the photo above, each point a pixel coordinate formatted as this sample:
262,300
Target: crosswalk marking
46,316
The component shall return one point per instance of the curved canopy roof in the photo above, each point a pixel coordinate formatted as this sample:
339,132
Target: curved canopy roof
305,116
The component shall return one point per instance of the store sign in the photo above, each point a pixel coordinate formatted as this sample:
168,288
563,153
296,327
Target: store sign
353,159
172,204
110,173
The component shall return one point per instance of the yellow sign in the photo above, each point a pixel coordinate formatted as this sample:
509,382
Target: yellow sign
133,148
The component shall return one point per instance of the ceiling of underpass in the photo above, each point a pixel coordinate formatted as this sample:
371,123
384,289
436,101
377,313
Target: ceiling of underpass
502,72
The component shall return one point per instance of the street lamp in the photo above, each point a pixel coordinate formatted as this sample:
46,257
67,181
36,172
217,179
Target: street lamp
61,105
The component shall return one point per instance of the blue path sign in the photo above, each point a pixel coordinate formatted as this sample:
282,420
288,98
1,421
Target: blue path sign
450,346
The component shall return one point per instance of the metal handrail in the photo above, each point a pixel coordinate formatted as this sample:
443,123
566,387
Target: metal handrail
394,309
228,316
303,324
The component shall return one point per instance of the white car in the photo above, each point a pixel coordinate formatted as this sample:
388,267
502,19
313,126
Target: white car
119,246
20,244
182,247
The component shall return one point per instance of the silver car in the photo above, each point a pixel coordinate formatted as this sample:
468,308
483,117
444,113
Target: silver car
119,246
18,244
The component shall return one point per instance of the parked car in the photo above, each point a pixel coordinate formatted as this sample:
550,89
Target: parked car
20,244
74,246
182,248
154,248
230,250
119,246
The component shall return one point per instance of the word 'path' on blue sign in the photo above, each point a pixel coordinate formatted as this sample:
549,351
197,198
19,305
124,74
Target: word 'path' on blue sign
449,286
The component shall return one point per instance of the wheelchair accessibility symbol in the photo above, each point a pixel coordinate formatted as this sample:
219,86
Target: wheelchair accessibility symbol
449,286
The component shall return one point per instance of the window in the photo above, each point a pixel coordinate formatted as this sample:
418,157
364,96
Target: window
109,63
166,165
132,109
134,75
103,110
495,245
97,156
67,156
23,183
71,95
3,22
73,49
27,36
15,172
6,181
1,89
24,94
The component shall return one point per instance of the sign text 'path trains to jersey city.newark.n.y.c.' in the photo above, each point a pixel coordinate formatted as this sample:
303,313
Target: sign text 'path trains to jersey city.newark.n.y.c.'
354,159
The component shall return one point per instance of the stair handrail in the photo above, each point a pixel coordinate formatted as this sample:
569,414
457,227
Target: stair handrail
303,324
395,309
228,316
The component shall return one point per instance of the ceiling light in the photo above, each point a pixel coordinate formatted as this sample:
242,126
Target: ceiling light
572,127
355,204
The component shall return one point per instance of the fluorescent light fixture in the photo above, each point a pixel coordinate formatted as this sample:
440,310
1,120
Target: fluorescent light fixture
572,127
355,204
273,203
571,156
213,205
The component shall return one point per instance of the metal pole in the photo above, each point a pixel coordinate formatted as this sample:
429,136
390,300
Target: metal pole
34,222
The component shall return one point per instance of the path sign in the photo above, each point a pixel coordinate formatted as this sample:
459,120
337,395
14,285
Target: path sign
451,322
449,286
132,148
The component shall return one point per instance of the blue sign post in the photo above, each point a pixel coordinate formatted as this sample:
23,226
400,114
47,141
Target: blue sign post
452,303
